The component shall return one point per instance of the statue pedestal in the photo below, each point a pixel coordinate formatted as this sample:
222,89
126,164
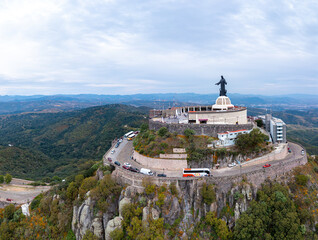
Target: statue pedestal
222,103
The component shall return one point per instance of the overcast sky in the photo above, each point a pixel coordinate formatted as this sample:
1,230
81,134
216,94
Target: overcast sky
267,47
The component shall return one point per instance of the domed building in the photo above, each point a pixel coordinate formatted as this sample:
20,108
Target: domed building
219,117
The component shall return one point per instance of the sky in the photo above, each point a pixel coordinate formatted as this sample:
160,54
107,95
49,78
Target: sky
267,47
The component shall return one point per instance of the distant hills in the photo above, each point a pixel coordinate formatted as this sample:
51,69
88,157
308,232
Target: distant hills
56,103
38,145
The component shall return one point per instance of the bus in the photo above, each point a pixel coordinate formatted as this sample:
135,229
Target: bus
196,172
127,134
131,136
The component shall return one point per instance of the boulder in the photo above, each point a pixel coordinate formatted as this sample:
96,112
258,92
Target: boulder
97,226
111,226
123,202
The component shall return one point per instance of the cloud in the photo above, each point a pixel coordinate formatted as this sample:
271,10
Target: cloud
132,46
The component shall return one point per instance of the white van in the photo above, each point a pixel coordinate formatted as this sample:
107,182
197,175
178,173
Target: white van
146,171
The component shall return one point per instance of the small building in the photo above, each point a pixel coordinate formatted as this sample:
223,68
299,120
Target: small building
227,139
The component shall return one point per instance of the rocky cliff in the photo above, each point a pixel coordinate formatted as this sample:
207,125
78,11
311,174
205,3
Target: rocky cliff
181,205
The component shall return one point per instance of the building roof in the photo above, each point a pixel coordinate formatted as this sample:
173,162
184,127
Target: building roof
227,132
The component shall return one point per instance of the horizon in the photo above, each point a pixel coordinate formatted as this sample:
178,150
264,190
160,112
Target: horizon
158,93
132,47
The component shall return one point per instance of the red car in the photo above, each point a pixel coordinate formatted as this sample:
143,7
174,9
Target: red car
109,159
266,165
9,199
125,167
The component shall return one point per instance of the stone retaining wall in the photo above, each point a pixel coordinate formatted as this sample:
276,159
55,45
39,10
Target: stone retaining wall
174,156
200,129
160,163
257,177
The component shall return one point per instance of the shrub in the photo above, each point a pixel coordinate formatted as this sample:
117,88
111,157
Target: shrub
316,169
161,200
117,234
36,201
87,184
8,178
1,179
9,211
208,193
301,179
72,191
149,187
144,127
173,188
89,236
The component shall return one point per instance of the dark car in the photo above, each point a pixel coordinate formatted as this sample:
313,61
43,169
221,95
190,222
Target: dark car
117,163
133,169
266,165
162,175
109,159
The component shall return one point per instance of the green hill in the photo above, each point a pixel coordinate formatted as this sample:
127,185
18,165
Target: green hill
49,144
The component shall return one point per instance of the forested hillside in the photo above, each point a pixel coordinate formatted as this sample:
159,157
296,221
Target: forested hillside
49,144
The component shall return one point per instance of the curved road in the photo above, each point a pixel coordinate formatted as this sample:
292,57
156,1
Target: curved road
125,150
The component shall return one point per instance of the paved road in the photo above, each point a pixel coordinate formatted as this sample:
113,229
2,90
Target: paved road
250,167
124,152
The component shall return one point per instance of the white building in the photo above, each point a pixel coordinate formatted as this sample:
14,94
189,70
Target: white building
227,139
275,127
277,130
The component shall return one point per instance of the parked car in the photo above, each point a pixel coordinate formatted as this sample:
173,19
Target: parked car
231,164
117,163
125,167
113,151
146,171
127,164
133,169
9,199
302,152
162,175
266,165
109,159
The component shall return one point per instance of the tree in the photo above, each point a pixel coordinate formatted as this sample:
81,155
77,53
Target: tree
259,123
162,131
273,215
218,225
144,127
9,211
72,191
87,184
188,132
250,142
8,178
1,179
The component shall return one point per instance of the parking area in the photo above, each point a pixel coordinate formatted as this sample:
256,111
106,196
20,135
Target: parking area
18,192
